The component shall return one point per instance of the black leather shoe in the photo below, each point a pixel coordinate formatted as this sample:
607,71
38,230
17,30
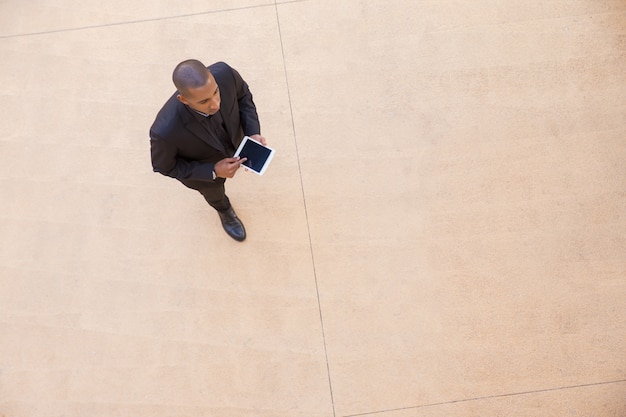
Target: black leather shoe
232,224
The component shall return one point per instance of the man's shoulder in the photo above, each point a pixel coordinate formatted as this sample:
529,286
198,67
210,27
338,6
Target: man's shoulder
169,118
222,72
220,67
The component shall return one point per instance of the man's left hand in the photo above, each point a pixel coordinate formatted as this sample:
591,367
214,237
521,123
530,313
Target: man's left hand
259,138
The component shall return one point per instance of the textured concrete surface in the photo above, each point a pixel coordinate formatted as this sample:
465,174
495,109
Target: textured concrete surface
441,233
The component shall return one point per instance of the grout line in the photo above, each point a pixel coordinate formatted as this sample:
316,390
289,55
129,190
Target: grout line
488,397
306,214
132,22
155,19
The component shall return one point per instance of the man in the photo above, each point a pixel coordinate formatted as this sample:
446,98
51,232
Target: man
198,130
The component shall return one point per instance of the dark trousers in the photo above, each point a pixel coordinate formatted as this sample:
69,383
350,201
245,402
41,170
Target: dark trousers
213,192
215,195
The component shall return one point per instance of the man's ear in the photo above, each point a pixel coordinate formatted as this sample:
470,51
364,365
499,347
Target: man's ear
182,99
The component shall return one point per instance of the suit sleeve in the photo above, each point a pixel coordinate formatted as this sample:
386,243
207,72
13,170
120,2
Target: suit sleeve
165,161
248,116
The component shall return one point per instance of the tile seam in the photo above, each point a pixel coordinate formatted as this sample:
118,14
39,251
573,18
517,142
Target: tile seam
312,253
132,22
488,397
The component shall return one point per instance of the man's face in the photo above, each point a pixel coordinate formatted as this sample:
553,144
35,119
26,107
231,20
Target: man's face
205,99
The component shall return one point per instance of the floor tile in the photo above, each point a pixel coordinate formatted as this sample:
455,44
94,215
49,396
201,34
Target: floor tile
441,231
459,204
121,294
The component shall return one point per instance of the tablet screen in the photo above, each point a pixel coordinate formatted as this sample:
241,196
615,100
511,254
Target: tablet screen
256,154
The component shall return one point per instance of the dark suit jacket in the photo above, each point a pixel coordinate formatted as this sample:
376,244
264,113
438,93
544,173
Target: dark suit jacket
180,146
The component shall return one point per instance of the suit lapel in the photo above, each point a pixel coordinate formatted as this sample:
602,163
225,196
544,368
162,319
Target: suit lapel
198,130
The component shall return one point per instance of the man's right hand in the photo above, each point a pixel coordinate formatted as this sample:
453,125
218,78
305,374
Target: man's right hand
227,167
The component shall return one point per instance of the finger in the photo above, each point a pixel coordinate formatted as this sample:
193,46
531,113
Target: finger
228,161
235,161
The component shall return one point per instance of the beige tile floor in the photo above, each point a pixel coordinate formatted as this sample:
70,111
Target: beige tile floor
442,232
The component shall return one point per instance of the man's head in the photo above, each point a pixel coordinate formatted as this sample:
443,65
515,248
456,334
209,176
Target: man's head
196,86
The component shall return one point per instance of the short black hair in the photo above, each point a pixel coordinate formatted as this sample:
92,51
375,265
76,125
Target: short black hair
190,74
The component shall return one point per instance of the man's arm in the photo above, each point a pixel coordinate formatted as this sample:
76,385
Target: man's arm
247,110
166,161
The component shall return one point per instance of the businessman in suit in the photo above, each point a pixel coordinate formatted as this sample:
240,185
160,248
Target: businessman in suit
198,130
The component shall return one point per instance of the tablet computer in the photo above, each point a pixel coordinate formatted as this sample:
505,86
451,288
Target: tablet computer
259,156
